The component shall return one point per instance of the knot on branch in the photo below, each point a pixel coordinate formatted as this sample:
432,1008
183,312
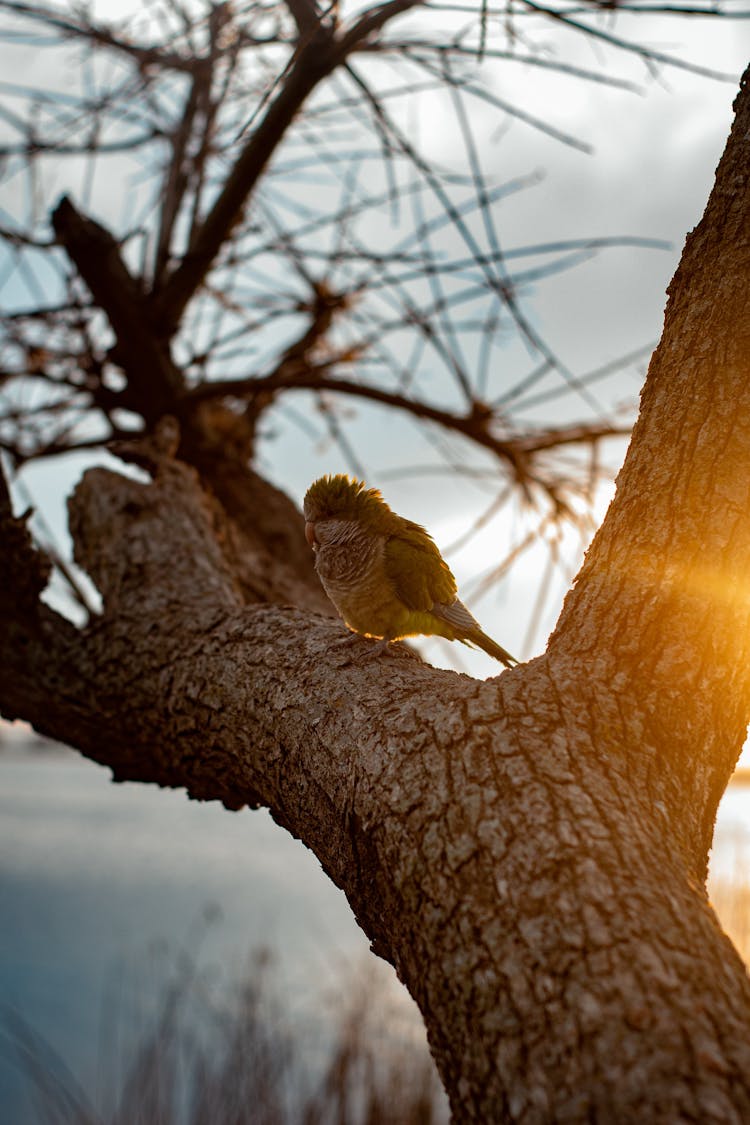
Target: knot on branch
213,432
150,546
155,450
257,529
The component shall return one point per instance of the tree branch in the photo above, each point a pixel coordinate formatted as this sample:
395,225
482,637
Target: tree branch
311,65
647,53
417,790
90,32
667,569
514,450
154,382
318,54
24,571
529,851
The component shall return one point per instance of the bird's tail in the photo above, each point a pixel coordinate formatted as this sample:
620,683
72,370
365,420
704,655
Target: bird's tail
492,648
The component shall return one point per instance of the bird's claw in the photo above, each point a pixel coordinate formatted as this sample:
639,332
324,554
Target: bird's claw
369,649
348,640
381,647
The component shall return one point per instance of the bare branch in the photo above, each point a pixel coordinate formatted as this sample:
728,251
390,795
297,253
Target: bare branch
479,425
89,32
646,53
314,61
155,381
311,66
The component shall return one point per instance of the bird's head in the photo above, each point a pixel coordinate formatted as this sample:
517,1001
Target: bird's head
332,502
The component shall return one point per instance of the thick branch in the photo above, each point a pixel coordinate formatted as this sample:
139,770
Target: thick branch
260,530
154,382
668,569
307,16
265,533
499,856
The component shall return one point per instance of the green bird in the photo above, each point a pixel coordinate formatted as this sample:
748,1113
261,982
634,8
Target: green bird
383,573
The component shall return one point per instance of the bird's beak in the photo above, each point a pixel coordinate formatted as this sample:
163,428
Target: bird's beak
310,535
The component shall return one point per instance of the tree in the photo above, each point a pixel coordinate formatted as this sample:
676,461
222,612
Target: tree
529,852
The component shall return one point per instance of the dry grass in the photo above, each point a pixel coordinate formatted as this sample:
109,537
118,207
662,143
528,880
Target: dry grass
178,1047
204,1053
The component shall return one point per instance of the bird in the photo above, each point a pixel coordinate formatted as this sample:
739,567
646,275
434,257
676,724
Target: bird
383,573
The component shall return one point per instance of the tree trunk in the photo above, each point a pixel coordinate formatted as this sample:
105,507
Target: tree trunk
529,852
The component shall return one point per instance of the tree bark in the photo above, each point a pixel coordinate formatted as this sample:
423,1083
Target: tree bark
528,852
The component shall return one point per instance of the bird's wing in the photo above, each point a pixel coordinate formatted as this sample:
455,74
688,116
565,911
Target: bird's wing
416,568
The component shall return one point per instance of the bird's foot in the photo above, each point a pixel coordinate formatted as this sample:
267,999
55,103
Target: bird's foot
348,640
369,650
372,648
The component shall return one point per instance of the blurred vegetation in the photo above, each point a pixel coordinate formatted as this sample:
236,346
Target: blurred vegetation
196,1051
189,1045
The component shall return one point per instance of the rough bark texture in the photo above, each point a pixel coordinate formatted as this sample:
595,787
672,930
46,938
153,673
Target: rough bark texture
667,573
528,852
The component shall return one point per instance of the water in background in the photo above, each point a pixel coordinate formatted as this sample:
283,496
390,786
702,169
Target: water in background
92,874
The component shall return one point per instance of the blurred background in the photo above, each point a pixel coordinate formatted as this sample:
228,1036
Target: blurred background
487,208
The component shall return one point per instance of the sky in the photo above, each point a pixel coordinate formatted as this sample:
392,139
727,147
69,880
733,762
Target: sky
648,174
